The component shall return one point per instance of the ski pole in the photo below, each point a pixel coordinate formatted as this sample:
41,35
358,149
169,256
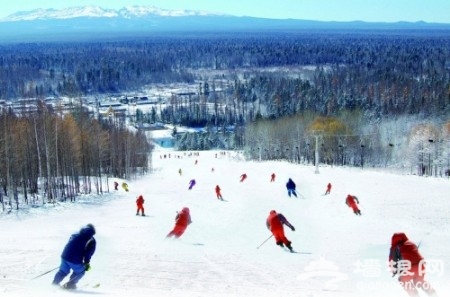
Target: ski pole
264,241
47,272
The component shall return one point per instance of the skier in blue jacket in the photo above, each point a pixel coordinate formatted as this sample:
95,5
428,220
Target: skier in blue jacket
290,186
76,256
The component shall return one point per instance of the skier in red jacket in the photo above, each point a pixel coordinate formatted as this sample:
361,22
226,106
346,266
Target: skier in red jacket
274,223
352,201
406,261
218,194
182,220
272,177
243,177
328,189
140,205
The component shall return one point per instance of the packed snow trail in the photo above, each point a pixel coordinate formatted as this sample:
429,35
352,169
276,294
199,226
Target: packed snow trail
218,255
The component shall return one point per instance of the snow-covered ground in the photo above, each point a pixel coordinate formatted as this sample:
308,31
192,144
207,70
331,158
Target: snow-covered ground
340,254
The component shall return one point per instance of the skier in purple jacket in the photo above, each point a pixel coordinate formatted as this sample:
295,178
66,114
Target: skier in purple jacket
191,184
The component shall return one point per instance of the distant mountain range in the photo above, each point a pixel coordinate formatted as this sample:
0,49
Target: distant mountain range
87,22
127,12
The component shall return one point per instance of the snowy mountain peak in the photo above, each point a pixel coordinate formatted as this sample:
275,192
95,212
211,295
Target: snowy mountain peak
99,12
139,11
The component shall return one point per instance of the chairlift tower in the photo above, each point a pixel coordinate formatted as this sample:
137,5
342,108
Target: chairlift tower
317,134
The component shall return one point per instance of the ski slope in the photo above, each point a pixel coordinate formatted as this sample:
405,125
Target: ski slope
339,253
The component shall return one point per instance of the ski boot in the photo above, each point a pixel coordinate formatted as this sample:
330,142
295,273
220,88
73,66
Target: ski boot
288,245
280,243
69,286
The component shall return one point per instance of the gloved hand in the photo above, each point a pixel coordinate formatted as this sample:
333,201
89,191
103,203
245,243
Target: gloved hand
87,266
292,228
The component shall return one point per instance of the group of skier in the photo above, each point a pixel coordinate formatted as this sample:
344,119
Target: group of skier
124,186
182,219
77,252
405,260
404,257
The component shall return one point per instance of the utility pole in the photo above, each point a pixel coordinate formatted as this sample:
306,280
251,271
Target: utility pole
316,161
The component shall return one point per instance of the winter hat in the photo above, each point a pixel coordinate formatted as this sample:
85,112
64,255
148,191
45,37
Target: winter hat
272,212
88,230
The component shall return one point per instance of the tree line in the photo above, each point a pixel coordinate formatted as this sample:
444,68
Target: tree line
48,156
408,144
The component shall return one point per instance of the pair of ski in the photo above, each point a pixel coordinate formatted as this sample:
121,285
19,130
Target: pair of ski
78,289
294,251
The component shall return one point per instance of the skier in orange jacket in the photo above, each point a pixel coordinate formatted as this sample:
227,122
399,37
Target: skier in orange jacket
352,201
275,222
140,205
182,220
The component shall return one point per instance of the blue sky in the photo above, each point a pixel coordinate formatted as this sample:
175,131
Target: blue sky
326,10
